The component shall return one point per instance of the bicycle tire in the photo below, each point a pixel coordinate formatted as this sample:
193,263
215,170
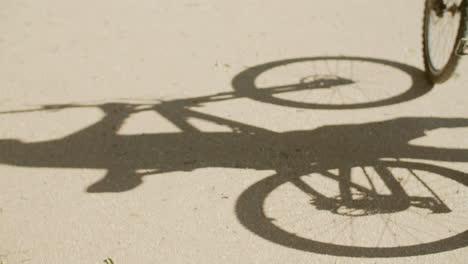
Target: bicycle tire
444,73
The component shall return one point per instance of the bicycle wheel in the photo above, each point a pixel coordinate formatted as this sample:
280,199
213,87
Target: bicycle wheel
331,83
426,214
443,27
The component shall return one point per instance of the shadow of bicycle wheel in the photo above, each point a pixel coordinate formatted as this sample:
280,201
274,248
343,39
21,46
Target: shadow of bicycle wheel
253,214
332,82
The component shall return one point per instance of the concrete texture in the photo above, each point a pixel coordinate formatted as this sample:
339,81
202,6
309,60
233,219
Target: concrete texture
167,132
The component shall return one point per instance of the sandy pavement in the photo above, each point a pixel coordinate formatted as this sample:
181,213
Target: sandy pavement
176,132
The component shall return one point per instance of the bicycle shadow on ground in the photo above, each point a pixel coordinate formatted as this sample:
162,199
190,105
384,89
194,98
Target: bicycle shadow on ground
129,158
290,154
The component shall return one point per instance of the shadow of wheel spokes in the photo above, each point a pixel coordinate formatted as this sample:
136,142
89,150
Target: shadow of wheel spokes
332,82
304,212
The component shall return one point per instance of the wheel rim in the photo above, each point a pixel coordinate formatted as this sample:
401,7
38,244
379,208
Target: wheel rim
442,27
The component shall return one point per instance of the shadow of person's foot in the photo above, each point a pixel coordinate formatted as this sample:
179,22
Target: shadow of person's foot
115,182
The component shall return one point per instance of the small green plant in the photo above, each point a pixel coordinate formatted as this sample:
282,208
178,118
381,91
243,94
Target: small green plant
107,261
